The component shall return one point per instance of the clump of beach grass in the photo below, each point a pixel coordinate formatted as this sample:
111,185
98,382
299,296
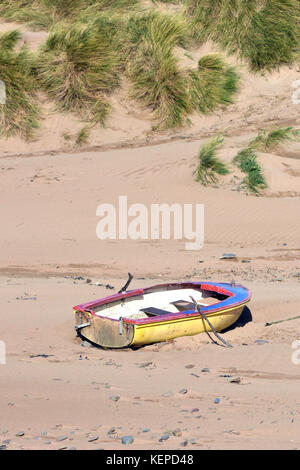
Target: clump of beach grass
158,80
78,68
270,140
254,180
265,34
46,14
247,159
83,135
19,114
210,166
213,83
153,69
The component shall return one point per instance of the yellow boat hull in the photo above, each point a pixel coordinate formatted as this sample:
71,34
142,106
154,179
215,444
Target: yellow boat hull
188,326
106,333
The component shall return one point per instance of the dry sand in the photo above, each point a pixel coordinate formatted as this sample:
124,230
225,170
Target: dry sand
54,388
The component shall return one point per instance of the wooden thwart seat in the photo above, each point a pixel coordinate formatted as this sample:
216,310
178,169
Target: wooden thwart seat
183,305
153,311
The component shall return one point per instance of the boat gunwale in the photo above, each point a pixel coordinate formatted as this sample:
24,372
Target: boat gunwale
233,292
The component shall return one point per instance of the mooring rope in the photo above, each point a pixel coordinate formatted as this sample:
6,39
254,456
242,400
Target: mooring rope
212,328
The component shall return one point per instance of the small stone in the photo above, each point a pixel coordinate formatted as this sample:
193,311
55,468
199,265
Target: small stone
61,438
205,369
228,256
234,380
88,281
127,440
183,391
112,431
184,443
20,434
146,430
261,341
164,437
195,410
189,366
93,438
115,397
217,400
177,432
145,364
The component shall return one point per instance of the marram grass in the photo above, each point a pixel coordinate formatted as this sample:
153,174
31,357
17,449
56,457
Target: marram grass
210,166
19,115
254,180
264,34
78,68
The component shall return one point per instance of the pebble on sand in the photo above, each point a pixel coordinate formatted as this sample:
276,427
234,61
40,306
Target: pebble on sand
127,440
20,433
164,437
115,397
61,438
234,380
217,400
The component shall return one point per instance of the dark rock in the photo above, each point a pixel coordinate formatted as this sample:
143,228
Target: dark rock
183,391
217,400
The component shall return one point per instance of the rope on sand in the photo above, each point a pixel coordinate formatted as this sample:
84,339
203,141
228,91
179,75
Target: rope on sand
211,326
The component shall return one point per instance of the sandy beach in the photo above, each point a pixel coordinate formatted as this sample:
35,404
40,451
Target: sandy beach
58,392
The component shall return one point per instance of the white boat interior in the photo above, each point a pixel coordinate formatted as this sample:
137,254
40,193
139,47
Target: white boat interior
155,303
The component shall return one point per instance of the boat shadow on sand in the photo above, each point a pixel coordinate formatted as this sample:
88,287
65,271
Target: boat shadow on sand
245,317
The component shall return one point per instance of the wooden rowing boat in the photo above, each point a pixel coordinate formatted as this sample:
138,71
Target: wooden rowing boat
160,313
